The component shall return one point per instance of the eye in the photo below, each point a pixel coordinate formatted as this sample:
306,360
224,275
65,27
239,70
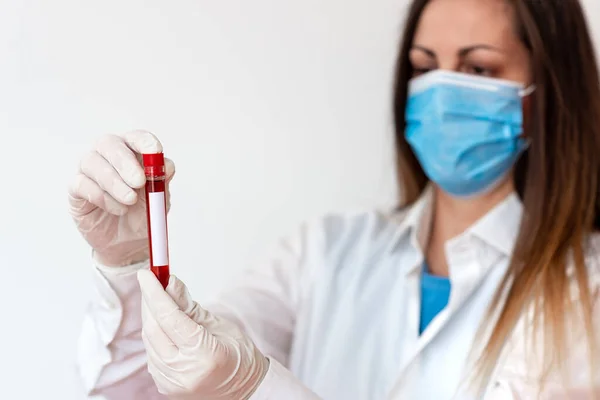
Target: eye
420,71
477,70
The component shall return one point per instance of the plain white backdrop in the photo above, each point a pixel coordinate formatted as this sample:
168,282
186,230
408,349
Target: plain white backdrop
274,112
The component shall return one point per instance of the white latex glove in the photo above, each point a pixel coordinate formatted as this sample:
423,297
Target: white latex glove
191,353
107,199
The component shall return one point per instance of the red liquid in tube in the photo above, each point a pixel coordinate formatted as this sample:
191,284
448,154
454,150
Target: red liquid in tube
156,214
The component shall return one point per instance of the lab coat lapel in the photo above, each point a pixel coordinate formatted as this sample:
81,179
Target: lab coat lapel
418,223
415,343
470,268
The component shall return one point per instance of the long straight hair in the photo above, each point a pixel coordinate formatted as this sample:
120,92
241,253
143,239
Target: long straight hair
557,178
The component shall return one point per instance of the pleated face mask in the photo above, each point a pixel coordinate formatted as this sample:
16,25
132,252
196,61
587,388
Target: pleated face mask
465,130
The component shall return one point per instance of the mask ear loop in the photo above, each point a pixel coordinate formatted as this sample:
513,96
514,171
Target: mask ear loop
526,142
527,91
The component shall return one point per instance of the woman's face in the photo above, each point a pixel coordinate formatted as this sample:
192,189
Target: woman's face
471,36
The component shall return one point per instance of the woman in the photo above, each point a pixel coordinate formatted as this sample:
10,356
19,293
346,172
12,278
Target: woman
483,284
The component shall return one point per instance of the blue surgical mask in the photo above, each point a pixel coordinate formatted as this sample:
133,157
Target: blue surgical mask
465,130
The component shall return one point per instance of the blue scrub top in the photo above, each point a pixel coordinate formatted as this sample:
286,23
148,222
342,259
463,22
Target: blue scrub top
435,293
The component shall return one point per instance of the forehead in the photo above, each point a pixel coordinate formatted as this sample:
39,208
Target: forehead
456,23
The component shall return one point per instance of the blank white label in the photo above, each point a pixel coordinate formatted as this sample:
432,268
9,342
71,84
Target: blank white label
158,228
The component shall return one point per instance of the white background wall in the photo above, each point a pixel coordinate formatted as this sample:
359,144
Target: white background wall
274,111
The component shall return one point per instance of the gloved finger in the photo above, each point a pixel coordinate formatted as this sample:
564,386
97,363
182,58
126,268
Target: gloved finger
169,169
165,383
180,294
143,142
95,167
159,347
115,151
164,359
181,329
168,194
182,297
165,362
166,377
170,173
85,195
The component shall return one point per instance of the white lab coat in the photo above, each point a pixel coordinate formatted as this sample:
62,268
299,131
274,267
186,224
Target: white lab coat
336,309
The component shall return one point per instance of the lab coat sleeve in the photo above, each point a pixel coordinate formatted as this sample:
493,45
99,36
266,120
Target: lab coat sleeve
263,301
111,355
279,383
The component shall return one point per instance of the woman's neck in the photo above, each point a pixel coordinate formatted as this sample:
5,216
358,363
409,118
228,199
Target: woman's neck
452,216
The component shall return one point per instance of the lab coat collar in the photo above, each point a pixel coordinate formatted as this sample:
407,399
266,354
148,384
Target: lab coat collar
416,221
498,228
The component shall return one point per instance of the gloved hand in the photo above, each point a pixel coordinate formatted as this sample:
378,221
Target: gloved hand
107,199
191,353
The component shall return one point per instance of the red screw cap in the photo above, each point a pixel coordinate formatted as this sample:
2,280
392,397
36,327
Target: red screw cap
153,160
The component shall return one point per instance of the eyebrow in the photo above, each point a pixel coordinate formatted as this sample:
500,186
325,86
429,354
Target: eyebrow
462,52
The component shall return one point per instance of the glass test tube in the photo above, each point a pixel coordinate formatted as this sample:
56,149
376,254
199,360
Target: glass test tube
156,213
